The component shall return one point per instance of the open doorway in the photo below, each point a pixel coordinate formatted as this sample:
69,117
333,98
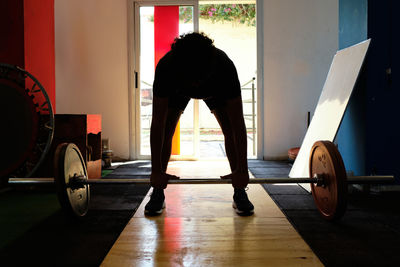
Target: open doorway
232,26
156,26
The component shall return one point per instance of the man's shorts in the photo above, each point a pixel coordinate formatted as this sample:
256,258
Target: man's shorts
180,102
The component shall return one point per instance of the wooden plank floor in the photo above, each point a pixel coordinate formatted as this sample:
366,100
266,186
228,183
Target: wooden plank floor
200,228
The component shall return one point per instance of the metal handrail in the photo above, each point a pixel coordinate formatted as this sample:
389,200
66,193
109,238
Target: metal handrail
253,107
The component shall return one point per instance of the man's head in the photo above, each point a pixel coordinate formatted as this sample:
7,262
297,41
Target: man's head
193,45
194,55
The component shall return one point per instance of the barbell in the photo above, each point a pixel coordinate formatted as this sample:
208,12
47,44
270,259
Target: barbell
328,180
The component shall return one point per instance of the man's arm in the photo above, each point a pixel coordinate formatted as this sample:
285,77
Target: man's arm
159,118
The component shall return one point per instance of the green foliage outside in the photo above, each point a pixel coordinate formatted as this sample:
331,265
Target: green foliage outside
186,14
235,13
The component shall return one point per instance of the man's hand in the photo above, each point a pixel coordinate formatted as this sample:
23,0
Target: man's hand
160,179
239,179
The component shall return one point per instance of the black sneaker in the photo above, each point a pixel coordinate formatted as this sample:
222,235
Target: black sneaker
241,203
156,203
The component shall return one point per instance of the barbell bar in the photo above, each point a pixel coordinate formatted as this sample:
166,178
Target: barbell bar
328,180
81,180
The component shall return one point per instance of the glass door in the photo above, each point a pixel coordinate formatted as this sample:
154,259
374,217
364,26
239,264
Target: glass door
156,26
231,24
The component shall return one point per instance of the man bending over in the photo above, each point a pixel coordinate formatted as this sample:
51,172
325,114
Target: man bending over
195,68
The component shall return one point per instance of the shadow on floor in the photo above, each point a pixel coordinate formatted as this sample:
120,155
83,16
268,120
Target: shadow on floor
367,235
58,240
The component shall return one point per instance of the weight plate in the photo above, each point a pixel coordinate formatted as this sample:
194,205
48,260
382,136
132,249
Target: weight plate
21,126
68,162
331,198
28,121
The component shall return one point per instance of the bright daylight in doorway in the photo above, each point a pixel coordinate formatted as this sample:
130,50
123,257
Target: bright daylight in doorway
232,26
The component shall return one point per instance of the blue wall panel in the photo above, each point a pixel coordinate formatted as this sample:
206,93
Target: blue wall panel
368,137
351,136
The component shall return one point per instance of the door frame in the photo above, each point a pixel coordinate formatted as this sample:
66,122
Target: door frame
133,64
134,73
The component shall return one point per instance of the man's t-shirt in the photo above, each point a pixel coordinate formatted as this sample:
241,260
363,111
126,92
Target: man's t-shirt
217,82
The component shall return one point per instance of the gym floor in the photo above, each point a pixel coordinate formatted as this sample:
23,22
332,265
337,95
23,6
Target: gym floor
367,235
33,230
200,228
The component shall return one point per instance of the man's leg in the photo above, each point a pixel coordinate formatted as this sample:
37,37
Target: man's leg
235,133
229,114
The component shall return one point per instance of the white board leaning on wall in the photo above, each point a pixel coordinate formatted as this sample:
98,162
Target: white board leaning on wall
332,103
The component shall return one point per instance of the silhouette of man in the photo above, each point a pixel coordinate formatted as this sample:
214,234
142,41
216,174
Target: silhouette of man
195,68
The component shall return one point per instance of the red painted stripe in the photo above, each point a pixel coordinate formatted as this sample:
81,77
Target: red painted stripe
39,43
166,29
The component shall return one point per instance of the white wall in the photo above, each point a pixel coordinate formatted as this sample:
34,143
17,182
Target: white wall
300,39
299,36
92,64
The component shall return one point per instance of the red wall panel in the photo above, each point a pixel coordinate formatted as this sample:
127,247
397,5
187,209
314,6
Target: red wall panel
39,43
166,28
